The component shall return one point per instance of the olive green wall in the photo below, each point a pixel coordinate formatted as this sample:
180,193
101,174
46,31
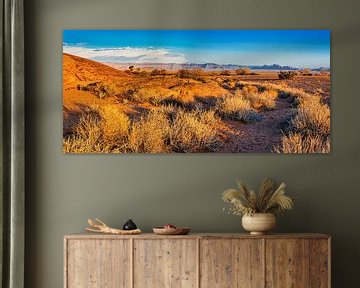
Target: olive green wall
63,190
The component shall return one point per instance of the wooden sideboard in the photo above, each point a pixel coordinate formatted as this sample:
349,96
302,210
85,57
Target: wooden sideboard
197,260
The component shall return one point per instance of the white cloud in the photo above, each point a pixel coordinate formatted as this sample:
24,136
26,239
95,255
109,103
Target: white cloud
126,54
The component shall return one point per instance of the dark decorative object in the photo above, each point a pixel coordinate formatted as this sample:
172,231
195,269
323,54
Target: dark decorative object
129,225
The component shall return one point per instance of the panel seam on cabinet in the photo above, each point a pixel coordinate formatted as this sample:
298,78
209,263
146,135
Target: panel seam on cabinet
132,262
198,263
264,261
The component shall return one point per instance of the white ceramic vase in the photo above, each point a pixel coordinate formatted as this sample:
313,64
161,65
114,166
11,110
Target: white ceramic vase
259,223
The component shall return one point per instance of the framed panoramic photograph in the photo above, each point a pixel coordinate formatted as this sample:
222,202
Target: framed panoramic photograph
196,91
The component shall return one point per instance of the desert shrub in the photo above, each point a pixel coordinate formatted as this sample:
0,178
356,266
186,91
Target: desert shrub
141,73
165,129
153,95
183,73
236,108
299,143
114,123
150,133
243,71
128,94
313,117
172,101
99,129
208,102
169,128
239,85
229,85
225,73
285,125
87,136
195,74
247,89
309,129
88,127
306,72
178,102
100,89
194,131
262,101
287,75
156,72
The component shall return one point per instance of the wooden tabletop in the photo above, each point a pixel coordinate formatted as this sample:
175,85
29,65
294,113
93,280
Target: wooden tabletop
87,235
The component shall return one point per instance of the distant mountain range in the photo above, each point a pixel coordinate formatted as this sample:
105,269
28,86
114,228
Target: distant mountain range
205,66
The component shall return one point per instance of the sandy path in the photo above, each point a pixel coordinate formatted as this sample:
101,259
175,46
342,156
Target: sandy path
256,137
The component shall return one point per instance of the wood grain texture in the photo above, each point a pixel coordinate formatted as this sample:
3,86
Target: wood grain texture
98,264
287,263
231,263
319,263
197,260
164,263
88,235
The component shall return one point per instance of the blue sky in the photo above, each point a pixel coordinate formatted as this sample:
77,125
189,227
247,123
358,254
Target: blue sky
298,48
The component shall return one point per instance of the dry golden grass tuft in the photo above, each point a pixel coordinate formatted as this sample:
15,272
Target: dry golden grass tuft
287,75
153,95
234,107
194,131
298,143
283,89
310,127
149,134
99,130
265,100
243,71
313,117
115,124
162,130
250,89
195,74
101,89
87,137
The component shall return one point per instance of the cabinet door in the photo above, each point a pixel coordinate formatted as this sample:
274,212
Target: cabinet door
287,263
231,263
167,263
320,263
98,263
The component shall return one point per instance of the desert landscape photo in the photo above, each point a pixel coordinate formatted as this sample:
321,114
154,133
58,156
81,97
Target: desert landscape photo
196,91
